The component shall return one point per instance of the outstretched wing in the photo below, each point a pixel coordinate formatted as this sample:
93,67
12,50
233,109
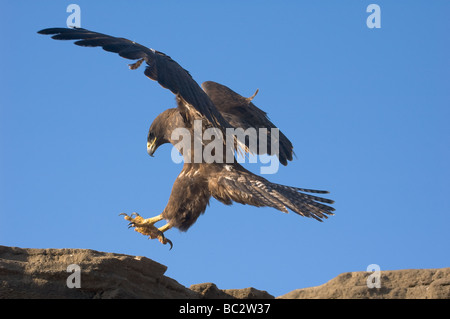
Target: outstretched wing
240,112
192,100
236,184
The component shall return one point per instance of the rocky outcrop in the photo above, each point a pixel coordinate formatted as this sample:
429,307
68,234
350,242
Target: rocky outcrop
90,274
47,273
42,273
395,284
210,291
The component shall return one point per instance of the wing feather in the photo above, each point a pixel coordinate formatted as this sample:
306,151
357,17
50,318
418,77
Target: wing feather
160,67
240,112
241,186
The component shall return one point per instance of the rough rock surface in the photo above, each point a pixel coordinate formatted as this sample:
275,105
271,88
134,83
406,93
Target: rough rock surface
42,273
210,291
394,284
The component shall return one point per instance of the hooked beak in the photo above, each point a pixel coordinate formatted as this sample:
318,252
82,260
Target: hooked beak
151,147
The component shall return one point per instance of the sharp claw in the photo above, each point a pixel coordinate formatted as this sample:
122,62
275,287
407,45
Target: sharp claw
134,214
123,214
170,243
165,240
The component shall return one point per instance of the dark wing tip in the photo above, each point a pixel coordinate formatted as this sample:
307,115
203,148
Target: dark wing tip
59,30
48,31
283,161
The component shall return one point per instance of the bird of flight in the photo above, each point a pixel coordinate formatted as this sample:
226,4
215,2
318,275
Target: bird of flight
213,106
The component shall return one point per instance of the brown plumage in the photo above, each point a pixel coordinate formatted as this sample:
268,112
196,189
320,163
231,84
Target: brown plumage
226,182
216,106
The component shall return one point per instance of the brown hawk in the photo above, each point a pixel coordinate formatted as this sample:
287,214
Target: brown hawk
215,106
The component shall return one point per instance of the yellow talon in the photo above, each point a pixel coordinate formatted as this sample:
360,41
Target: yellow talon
147,227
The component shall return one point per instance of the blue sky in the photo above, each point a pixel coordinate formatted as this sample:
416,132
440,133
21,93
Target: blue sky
366,109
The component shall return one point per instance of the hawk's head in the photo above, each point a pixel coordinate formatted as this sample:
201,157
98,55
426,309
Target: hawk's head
161,129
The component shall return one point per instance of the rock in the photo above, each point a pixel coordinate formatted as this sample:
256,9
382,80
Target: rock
210,291
42,273
248,293
395,284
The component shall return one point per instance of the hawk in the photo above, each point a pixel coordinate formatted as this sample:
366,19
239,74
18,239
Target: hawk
215,106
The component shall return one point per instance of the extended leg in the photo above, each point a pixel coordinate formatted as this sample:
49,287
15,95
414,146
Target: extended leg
147,227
